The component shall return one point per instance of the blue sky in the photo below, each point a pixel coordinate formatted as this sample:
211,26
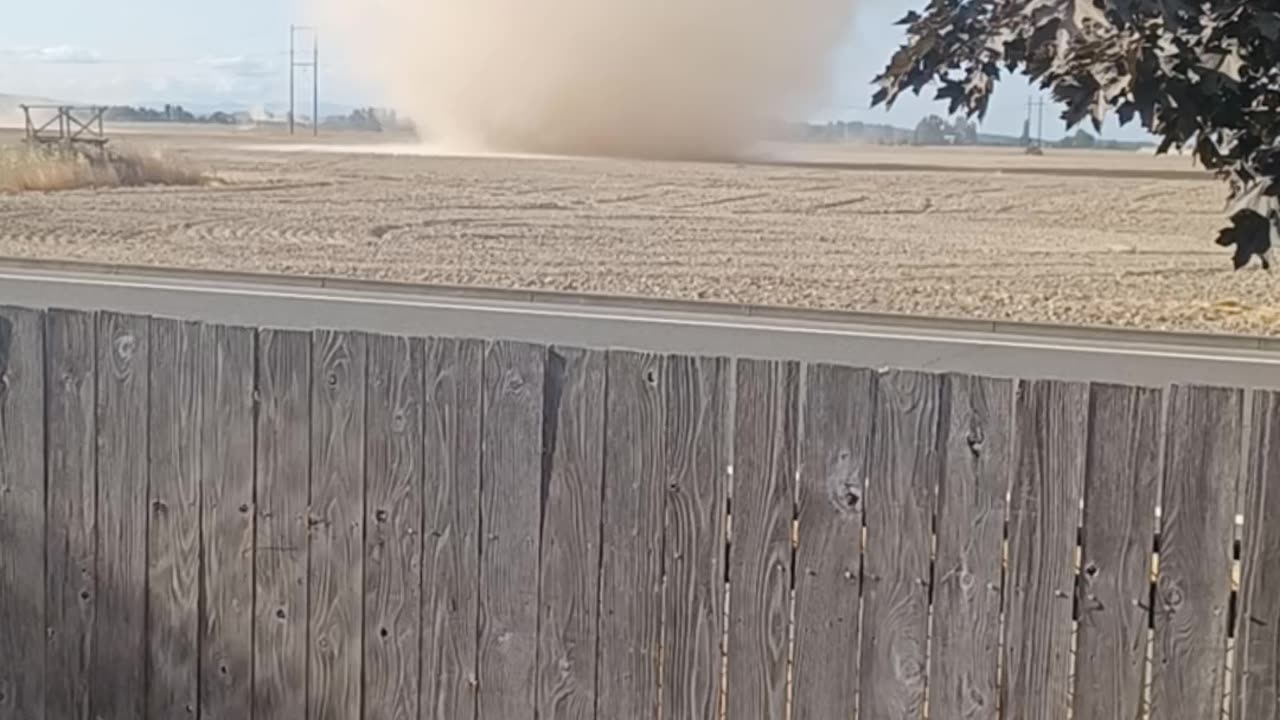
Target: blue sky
235,52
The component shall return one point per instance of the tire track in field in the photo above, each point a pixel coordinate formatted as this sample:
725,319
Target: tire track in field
542,191
275,187
626,198
724,201
381,231
840,203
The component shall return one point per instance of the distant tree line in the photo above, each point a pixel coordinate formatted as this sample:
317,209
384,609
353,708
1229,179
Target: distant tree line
170,113
933,130
370,118
839,131
1083,139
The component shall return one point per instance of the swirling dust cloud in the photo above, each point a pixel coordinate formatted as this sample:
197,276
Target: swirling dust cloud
686,79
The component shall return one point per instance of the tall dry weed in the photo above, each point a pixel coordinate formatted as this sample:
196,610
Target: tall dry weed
25,168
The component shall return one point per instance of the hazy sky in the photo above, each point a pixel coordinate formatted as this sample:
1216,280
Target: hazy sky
235,51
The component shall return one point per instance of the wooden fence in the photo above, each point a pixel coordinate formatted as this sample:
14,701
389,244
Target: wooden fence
216,522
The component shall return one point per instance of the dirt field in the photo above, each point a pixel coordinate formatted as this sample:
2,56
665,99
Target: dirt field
1091,238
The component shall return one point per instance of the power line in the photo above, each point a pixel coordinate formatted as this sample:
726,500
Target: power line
190,60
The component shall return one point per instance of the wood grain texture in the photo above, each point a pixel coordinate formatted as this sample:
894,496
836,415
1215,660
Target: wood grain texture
280,556
227,522
1122,480
1050,421
71,539
119,643
631,542
393,522
173,537
336,537
510,501
573,442
22,516
697,427
451,551
906,459
967,581
1202,470
764,471
834,461
1258,630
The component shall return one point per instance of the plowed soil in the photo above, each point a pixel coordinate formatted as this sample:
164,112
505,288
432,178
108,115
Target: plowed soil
1099,238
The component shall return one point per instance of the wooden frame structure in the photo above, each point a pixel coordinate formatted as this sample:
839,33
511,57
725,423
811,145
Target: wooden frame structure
70,130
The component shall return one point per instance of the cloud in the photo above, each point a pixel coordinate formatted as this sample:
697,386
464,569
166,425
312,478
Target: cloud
202,78
242,66
63,55
52,55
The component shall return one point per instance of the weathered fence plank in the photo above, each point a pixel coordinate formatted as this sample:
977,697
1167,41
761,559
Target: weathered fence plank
1257,696
764,475
173,544
907,455
1202,469
22,515
280,558
240,523
1122,480
511,498
631,544
573,443
835,459
336,524
119,643
227,500
967,583
697,439
71,538
393,528
450,568
1050,421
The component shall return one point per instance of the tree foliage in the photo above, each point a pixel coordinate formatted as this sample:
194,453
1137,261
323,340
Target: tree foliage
1200,75
933,130
965,131
1082,139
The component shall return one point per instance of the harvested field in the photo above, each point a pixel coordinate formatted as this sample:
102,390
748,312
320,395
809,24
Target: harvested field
1086,238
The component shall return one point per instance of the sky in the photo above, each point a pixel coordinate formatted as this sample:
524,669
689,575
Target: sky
235,53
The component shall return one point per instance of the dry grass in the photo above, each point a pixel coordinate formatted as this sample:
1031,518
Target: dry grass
24,168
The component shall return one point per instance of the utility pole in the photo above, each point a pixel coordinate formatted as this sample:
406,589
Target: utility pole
315,77
315,85
1040,126
1035,103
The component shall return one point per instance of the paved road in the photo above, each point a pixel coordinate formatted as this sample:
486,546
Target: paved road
285,304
